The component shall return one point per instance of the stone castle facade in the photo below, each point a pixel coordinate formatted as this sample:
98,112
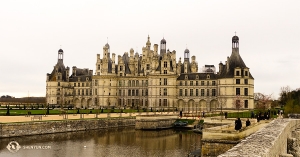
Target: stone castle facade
153,79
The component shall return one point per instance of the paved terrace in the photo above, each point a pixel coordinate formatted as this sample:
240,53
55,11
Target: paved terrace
10,119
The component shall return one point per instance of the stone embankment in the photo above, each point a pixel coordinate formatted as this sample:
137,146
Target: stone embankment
48,127
280,138
153,122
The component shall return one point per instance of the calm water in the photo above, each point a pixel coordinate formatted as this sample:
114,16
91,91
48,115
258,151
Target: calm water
125,142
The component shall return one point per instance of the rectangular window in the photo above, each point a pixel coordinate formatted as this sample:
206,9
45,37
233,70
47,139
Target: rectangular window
202,92
191,92
98,66
165,64
213,83
237,91
96,93
165,102
137,92
246,103
120,92
148,66
165,81
96,82
82,91
246,91
159,102
208,83
207,92
237,73
180,83
146,82
74,84
159,81
246,73
121,74
165,72
197,94
165,92
87,92
202,83
120,83
185,92
213,92
246,81
133,93
129,92
191,83
146,92
237,81
196,83
121,68
78,84
78,91
180,92
82,84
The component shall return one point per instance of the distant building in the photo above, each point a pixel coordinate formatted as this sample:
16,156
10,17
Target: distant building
153,79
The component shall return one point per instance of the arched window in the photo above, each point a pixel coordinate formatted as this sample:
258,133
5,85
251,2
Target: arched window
129,83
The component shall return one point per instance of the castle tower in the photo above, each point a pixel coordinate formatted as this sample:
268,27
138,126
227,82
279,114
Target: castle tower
148,43
186,60
163,43
106,51
60,56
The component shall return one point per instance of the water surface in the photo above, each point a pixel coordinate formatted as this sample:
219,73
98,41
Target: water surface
121,142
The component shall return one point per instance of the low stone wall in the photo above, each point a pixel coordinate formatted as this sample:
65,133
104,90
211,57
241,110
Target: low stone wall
270,141
215,147
224,133
47,127
153,122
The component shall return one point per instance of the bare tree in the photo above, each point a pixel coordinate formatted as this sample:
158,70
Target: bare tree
238,103
222,103
263,101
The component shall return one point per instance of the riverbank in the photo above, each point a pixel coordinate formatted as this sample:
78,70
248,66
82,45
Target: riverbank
58,126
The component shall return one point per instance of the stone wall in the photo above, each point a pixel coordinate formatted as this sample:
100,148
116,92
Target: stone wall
270,141
153,122
47,127
215,147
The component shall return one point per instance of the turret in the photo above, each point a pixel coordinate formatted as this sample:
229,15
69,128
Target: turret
163,43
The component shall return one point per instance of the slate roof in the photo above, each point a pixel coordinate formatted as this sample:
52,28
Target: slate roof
61,68
235,60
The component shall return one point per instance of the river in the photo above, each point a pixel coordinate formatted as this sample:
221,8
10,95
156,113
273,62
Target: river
118,142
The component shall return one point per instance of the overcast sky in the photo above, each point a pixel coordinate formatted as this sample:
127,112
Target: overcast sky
32,32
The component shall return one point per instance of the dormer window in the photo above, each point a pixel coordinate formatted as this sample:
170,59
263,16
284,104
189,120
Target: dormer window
246,73
237,73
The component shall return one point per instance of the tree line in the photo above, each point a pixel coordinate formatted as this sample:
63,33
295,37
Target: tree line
290,99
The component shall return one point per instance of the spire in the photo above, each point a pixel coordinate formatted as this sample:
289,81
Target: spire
148,43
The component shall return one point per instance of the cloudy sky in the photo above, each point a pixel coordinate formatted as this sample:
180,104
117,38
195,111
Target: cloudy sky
32,31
